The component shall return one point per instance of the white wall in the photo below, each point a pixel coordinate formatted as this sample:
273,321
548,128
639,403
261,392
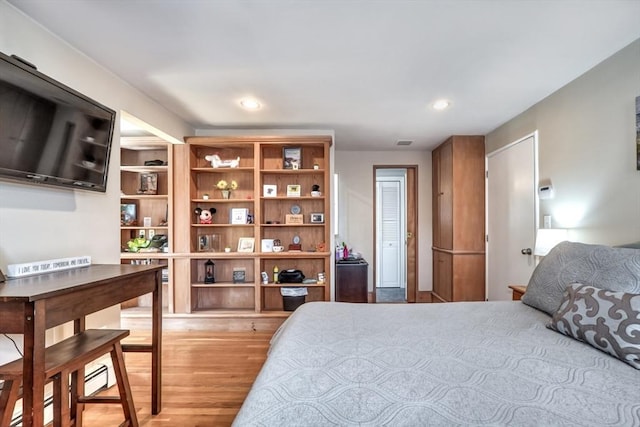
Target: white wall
38,223
356,209
587,148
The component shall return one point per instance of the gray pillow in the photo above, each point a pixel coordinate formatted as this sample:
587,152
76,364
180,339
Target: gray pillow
608,321
613,269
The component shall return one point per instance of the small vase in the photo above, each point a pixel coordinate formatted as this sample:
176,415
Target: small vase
226,194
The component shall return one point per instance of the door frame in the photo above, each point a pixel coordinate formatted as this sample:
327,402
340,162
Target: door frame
411,227
402,237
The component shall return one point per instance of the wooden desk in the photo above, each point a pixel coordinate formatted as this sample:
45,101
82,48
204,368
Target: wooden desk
31,305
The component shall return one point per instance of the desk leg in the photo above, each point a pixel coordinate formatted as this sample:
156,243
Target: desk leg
33,361
77,380
156,347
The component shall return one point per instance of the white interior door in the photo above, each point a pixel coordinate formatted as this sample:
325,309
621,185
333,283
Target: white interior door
511,216
390,230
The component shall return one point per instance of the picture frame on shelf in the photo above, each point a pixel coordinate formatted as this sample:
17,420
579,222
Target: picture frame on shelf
246,244
267,245
148,183
292,158
293,190
239,216
239,274
316,218
269,190
128,214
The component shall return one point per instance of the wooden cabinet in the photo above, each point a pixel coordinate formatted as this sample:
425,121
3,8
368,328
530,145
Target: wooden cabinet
146,199
458,219
272,201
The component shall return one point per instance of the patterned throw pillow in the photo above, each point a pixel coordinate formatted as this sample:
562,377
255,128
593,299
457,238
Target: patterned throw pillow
606,320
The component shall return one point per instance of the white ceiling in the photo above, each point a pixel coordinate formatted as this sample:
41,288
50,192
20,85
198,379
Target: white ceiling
366,69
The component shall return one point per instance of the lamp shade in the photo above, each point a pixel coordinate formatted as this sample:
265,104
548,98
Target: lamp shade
547,238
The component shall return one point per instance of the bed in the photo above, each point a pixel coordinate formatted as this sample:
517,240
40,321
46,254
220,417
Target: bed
471,363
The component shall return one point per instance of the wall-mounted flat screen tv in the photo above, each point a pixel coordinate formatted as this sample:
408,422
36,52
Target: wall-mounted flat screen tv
49,133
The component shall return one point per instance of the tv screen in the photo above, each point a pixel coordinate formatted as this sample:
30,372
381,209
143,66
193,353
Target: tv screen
49,133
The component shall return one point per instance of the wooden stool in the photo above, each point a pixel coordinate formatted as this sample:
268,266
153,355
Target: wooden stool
68,357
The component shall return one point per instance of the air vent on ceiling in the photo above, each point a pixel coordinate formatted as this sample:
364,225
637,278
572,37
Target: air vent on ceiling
404,142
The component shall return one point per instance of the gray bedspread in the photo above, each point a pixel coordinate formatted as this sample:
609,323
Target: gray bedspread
436,364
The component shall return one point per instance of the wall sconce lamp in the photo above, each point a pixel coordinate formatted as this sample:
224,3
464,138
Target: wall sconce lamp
547,238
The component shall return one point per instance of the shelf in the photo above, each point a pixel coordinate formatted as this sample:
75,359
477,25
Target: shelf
291,255
210,200
321,198
143,196
308,224
144,255
139,169
222,285
292,171
294,285
218,255
222,225
153,227
222,170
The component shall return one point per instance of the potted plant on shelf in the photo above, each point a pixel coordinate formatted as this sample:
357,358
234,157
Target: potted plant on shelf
226,187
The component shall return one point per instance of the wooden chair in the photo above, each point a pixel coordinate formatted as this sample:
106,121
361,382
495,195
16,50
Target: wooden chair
67,358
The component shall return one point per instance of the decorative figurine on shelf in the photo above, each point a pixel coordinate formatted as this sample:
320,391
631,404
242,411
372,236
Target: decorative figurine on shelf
217,162
205,216
315,191
277,245
209,272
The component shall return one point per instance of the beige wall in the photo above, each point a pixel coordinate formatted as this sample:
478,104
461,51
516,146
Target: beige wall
356,209
38,223
587,150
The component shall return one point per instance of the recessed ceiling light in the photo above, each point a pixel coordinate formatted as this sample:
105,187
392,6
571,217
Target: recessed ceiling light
441,104
250,104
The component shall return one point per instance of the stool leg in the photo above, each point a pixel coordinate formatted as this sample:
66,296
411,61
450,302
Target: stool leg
8,399
61,417
126,398
77,390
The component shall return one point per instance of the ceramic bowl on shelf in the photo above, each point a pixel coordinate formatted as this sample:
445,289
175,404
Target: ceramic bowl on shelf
278,248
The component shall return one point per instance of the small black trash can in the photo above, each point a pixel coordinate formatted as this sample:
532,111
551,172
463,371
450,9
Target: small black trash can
291,303
292,298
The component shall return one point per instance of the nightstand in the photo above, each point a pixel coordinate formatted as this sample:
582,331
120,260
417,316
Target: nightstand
518,291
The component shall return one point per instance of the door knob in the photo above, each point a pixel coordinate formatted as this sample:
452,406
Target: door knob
526,251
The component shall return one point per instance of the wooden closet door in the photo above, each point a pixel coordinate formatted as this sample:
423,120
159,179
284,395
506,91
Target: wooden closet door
468,208
443,275
445,196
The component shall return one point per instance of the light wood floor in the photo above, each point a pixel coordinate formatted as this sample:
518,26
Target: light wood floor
205,378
